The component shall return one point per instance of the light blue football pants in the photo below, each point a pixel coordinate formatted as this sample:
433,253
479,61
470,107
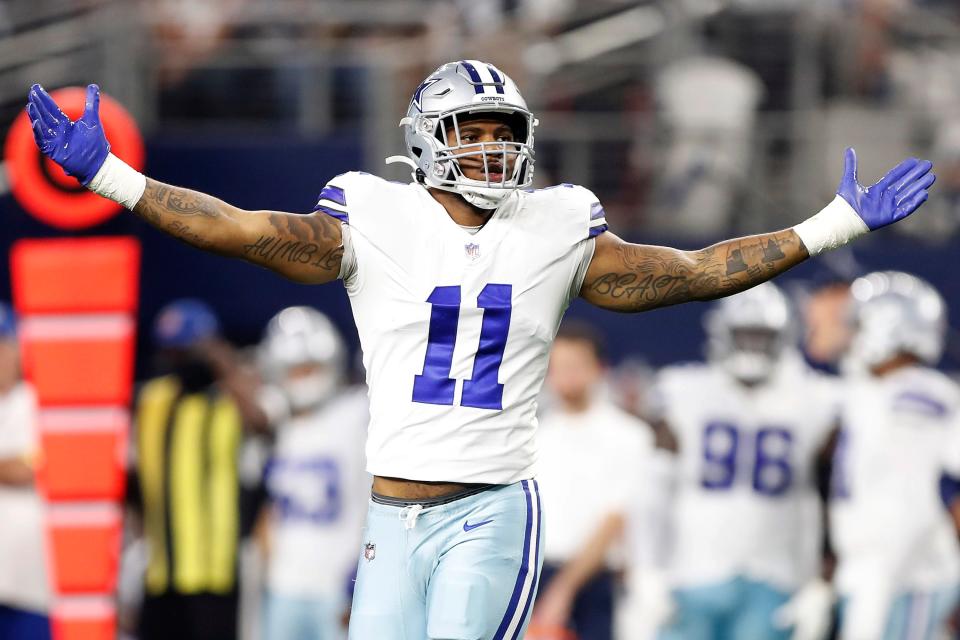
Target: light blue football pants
916,615
737,609
464,570
291,618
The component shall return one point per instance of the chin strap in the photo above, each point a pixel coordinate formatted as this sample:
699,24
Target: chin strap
478,196
482,199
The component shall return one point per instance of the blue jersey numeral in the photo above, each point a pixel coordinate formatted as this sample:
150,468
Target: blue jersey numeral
483,390
771,474
435,386
306,489
839,477
720,443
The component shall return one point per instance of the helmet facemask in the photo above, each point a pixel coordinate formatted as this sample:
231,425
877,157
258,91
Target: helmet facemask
753,353
303,355
894,314
446,101
749,333
514,158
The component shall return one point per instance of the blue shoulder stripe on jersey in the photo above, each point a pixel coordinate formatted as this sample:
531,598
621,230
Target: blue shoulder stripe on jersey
919,403
524,569
496,78
595,231
596,211
342,216
474,75
335,194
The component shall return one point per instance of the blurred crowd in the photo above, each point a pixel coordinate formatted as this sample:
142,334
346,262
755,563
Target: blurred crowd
783,78
801,481
619,86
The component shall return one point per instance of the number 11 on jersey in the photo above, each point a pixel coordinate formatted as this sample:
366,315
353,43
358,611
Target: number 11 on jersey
482,390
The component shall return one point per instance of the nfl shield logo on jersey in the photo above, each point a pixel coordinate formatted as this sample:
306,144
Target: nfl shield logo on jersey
369,551
472,250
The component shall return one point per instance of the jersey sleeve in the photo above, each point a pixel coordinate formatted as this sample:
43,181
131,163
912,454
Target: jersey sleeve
333,199
340,197
588,216
598,219
573,216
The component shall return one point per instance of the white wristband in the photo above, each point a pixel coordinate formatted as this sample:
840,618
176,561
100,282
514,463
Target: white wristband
118,181
835,225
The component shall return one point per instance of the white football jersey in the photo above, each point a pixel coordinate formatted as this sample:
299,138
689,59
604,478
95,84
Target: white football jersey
456,327
318,491
746,502
23,579
887,520
592,465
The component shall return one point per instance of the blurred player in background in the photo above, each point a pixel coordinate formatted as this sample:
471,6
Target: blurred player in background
898,558
315,479
24,595
458,281
747,427
189,428
592,460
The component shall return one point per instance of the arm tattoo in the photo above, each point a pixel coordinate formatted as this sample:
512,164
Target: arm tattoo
643,277
179,230
313,241
159,198
302,247
275,248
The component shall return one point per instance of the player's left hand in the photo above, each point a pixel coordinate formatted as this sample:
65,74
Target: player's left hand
809,611
79,147
894,197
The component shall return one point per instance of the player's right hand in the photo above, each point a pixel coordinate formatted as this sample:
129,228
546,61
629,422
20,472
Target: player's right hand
79,147
894,197
808,612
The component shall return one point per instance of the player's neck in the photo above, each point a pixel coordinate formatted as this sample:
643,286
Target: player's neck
900,361
459,210
579,404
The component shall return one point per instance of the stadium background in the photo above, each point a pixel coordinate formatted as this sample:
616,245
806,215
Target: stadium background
692,120
260,103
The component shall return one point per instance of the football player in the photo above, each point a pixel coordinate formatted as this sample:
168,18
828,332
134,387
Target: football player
585,510
748,426
898,558
315,479
24,592
458,281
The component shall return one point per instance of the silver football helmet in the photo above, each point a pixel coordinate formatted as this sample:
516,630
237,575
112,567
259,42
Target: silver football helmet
294,339
449,96
894,313
748,333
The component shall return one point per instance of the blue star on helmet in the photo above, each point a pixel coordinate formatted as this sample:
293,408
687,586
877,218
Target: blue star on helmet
418,94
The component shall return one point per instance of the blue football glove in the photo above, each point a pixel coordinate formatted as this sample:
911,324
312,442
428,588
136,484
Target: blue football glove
79,147
894,197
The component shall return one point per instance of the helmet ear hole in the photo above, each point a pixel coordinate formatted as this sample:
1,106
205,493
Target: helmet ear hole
417,151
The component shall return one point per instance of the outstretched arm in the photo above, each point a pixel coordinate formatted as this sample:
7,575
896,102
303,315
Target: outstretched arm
305,248
630,277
